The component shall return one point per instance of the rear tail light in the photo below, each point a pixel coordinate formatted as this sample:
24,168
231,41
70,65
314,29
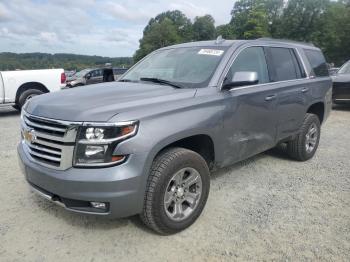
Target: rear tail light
63,78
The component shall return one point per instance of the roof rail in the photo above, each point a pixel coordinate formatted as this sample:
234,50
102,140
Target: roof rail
284,40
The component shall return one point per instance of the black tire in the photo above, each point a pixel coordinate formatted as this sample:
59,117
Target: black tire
26,95
297,148
164,167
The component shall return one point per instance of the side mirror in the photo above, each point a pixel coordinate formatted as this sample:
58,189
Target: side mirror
241,79
88,76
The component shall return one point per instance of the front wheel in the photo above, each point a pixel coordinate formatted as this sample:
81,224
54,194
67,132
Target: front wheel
177,191
27,95
304,145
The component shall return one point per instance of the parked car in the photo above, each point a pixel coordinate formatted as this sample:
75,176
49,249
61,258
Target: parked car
341,84
94,76
146,144
83,77
17,87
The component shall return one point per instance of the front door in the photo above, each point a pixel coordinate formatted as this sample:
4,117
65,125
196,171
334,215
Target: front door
250,121
96,77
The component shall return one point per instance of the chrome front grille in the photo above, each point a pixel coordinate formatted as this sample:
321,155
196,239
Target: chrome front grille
49,142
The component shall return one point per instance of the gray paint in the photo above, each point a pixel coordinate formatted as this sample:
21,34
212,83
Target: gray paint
241,122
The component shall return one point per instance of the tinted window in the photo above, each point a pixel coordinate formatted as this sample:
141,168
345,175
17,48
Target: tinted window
317,62
285,64
251,59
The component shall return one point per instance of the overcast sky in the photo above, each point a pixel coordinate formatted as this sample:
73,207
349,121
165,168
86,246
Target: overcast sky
93,27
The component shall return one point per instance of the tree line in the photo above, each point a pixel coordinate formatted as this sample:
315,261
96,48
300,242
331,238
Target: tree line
324,23
12,61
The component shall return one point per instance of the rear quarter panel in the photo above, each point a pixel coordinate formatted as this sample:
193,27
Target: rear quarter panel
321,87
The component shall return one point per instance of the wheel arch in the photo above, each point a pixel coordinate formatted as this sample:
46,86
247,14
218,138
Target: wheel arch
202,144
30,85
318,109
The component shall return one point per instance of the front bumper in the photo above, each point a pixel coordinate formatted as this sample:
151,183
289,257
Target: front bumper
121,187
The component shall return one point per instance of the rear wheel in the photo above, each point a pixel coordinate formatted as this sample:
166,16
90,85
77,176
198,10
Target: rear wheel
177,191
27,95
305,144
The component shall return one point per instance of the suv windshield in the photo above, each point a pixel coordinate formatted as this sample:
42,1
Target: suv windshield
345,69
189,67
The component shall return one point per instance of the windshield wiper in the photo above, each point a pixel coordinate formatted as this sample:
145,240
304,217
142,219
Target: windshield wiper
124,80
160,81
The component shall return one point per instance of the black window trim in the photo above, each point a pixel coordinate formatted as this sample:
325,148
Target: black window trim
264,46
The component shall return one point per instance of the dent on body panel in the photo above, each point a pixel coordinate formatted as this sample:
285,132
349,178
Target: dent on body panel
245,126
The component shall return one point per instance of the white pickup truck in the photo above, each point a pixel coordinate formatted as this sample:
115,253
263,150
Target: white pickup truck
16,87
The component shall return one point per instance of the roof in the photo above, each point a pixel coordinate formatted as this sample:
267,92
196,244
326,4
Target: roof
228,43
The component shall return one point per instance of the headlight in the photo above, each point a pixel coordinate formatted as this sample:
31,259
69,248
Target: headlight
96,143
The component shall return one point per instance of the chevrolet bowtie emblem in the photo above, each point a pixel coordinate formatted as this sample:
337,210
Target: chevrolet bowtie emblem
29,135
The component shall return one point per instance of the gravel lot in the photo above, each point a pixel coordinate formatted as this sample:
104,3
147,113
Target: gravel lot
265,208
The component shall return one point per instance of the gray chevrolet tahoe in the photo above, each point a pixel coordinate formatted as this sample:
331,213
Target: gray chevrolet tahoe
147,143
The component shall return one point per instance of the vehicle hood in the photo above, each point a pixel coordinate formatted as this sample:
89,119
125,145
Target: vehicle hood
101,102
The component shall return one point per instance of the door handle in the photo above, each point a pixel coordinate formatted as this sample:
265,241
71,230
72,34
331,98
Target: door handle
271,97
304,90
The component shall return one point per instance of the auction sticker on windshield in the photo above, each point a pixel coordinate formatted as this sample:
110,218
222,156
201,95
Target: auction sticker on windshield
215,52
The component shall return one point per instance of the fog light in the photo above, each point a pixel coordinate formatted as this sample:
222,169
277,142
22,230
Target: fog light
99,205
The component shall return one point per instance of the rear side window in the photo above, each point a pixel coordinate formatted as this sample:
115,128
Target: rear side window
317,62
285,64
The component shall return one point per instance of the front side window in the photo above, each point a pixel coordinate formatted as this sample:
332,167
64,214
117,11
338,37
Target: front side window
96,73
317,62
190,67
285,64
251,59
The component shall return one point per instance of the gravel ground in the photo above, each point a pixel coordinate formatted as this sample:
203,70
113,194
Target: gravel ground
265,208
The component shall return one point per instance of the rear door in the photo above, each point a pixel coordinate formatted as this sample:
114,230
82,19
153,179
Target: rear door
289,76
